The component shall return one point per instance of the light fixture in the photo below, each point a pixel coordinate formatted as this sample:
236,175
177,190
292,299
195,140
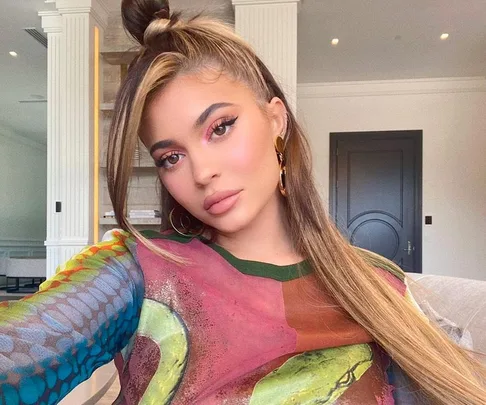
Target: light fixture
13,54
444,36
335,41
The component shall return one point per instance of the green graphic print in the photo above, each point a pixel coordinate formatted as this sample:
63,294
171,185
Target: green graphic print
323,374
167,330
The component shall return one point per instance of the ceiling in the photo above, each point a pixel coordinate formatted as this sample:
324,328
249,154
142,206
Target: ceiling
391,39
378,40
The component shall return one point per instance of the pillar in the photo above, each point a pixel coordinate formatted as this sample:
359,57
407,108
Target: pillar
73,30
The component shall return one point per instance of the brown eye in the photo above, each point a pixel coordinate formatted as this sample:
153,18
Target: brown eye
221,130
173,159
169,161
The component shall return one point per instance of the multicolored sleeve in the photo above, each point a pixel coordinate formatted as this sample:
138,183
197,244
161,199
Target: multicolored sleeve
79,320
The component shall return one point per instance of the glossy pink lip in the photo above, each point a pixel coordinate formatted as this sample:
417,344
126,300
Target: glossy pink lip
218,197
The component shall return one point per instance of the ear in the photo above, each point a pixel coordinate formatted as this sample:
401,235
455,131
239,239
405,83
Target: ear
277,114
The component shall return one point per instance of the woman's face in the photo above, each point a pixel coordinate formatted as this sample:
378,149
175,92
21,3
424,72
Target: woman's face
214,148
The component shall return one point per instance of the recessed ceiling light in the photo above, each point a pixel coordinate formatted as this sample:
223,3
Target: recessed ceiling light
444,36
13,53
335,41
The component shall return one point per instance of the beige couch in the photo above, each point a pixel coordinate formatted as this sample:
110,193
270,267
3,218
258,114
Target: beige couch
454,302
25,268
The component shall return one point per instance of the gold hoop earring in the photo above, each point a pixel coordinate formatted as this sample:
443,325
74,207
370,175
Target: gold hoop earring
281,183
279,148
186,229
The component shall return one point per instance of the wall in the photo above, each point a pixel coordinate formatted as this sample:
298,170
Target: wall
452,115
23,191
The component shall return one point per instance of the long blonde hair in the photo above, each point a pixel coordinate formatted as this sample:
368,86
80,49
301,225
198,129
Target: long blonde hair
444,373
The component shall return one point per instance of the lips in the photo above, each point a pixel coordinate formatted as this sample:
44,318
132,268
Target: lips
218,197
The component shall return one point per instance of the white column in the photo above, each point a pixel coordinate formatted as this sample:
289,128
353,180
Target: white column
270,26
71,117
51,23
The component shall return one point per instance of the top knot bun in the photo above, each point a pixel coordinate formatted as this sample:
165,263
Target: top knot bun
138,14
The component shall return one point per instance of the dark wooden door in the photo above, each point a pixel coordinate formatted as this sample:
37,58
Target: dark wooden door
375,192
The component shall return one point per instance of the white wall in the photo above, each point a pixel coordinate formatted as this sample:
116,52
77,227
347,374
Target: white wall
452,115
22,190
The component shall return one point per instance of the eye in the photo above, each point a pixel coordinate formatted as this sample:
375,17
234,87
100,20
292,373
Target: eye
170,160
222,127
221,130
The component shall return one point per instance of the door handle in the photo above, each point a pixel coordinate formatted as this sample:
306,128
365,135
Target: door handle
409,248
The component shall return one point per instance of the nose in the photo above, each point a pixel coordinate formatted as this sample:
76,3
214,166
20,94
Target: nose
204,169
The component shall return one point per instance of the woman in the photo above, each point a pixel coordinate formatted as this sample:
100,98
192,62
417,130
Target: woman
254,297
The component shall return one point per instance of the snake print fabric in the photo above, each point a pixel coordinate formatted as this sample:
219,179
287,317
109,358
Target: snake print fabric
79,320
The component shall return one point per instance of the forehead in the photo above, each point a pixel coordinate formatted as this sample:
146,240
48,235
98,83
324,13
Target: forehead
188,95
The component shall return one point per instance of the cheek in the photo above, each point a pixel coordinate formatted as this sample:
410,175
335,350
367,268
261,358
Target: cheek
172,184
252,153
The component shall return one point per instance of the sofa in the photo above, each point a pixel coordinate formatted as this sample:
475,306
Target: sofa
458,305
30,268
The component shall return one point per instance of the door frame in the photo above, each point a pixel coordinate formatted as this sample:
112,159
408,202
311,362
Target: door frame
417,137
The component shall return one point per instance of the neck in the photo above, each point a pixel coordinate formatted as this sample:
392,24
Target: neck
267,239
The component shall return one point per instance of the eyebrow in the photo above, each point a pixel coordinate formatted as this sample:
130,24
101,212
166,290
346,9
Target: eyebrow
208,111
201,119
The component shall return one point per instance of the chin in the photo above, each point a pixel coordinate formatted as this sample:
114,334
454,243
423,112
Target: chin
228,227
230,223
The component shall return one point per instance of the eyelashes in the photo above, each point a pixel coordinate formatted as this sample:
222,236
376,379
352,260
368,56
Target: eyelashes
221,127
218,130
169,160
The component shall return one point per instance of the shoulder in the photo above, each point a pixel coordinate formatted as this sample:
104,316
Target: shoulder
392,273
170,248
382,263
115,244
169,236
172,241
386,268
113,261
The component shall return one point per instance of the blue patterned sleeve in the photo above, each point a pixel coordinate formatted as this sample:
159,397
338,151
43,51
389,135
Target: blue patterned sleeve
80,319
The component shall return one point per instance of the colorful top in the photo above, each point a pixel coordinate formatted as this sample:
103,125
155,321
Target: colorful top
215,330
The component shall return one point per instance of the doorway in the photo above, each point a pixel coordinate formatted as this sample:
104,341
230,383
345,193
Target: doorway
375,193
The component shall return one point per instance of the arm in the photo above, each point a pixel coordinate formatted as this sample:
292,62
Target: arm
55,339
